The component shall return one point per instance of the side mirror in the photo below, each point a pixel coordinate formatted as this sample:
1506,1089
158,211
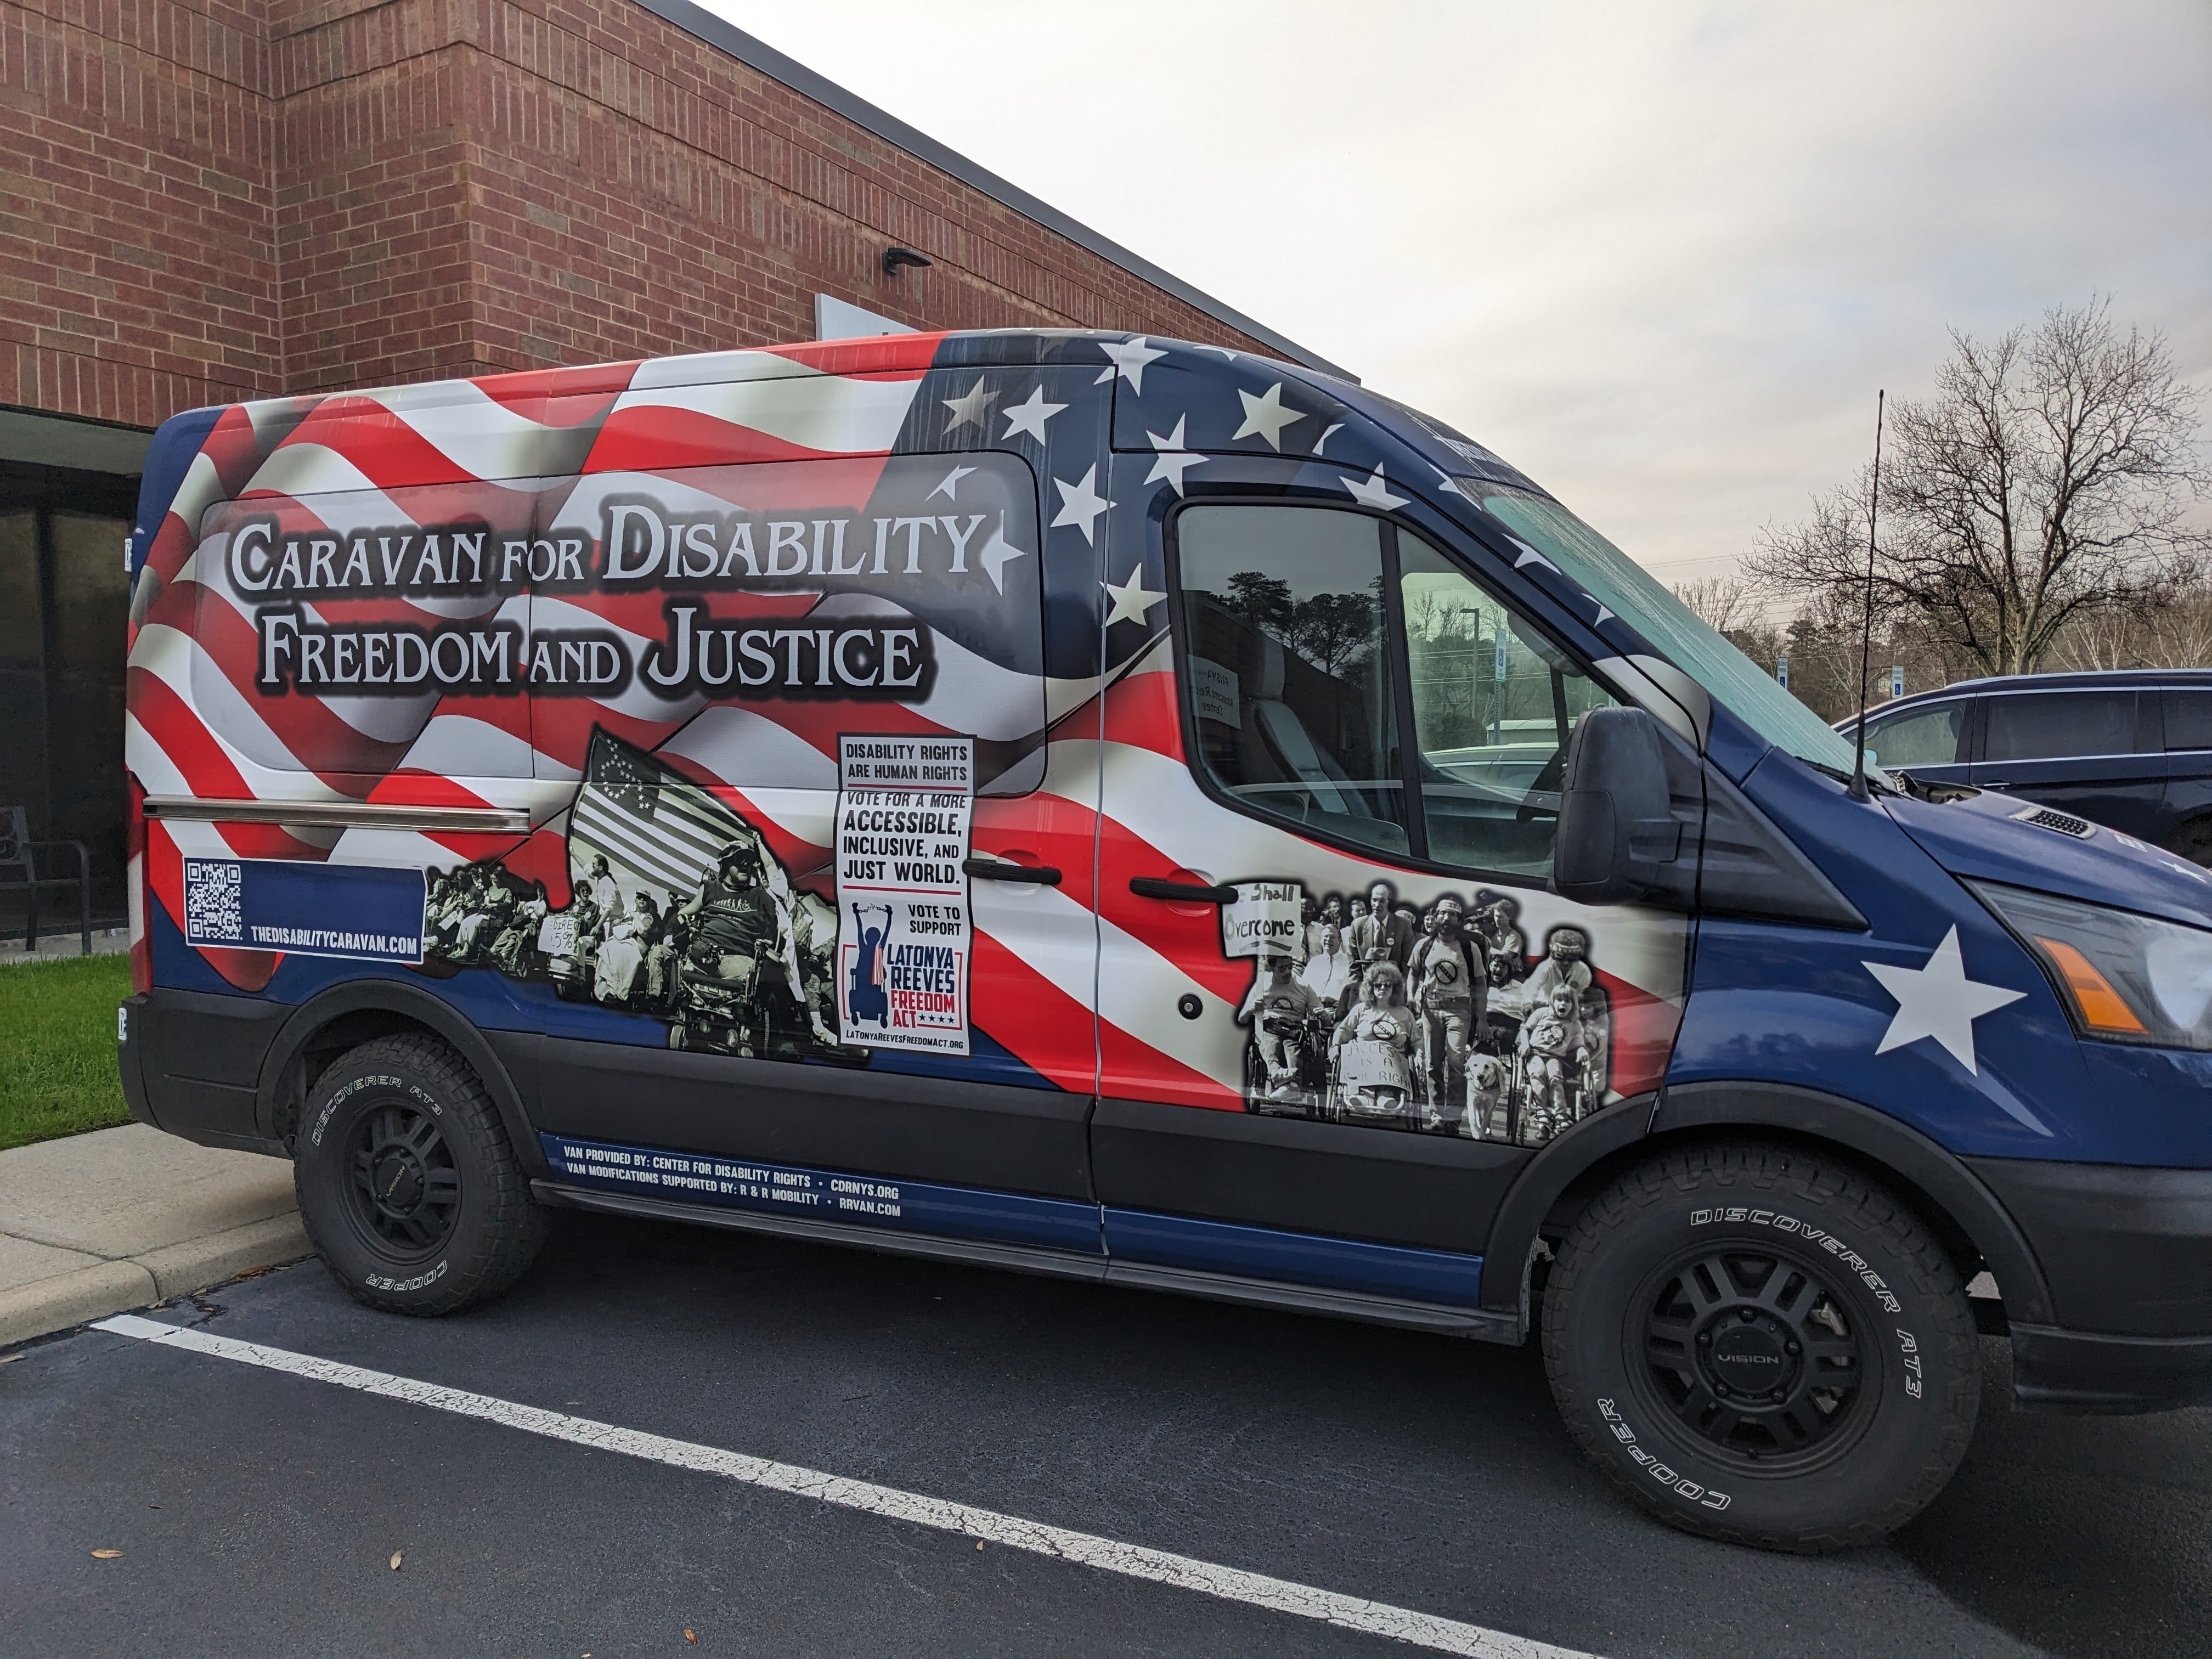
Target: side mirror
1616,828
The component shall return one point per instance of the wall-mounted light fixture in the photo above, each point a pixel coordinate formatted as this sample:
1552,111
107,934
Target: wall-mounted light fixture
896,256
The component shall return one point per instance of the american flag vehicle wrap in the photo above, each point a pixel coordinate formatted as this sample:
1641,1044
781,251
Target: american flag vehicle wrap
602,628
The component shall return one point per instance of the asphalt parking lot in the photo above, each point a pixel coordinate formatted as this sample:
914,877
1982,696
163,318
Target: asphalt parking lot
258,1511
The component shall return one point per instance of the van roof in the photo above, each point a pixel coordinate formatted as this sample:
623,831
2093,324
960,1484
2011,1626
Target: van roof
1309,408
874,354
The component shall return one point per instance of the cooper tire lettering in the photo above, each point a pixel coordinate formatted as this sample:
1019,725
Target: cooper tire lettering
379,1282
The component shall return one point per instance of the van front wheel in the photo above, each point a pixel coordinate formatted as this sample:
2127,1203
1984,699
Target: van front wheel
1762,1346
408,1185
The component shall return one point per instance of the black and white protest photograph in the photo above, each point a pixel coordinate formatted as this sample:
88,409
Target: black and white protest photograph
1364,1010
678,910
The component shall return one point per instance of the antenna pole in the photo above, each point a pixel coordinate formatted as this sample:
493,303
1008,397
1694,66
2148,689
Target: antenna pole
1866,619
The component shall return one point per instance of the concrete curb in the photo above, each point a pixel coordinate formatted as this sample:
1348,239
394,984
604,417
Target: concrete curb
48,1305
55,1304
102,1222
199,1262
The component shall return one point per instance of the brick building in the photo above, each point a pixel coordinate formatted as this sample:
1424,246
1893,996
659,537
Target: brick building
208,200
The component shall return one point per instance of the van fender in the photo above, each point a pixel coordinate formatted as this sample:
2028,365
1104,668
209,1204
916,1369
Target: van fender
1600,1142
1953,1199
409,1003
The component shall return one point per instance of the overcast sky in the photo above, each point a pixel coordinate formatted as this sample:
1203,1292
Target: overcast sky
1658,256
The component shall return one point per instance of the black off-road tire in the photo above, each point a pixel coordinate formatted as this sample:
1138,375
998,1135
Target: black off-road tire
1761,1345
408,1186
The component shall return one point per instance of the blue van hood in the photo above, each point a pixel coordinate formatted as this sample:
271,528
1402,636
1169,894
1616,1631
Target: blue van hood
1977,836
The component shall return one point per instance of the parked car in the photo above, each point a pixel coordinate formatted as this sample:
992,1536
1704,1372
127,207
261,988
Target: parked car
2130,749
1153,814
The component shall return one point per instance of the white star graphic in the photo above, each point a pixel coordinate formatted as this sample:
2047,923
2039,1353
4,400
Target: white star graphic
995,554
1445,481
973,408
1603,615
1080,504
1322,442
1029,416
1129,361
1265,416
1369,492
1938,1001
1529,555
1174,460
1131,599
950,485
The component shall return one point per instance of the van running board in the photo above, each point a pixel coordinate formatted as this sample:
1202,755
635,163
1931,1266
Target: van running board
1444,1320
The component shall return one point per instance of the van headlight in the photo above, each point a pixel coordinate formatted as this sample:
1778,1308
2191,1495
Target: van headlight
2124,978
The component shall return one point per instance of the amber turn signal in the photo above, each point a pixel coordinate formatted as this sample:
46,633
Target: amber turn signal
2101,1007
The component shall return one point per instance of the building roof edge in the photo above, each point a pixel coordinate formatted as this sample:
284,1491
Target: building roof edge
716,31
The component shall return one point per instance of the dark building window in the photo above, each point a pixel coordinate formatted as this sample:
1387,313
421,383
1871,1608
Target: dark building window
64,602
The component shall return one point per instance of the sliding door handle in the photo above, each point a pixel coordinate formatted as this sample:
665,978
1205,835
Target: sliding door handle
1188,892
999,870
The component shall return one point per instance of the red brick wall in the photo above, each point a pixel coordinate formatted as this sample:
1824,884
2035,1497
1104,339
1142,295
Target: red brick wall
137,245
218,201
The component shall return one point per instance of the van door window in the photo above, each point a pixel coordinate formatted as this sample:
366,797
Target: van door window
1285,655
1302,628
1494,704
1920,737
2058,725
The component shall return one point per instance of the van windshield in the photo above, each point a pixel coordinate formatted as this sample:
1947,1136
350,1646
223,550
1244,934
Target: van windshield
1624,587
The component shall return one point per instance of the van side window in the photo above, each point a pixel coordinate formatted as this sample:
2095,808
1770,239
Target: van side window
1289,676
1309,637
1921,737
2058,725
1494,704
2188,720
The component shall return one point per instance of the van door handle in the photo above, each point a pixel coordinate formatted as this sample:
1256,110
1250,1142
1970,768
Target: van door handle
1994,783
999,870
1189,892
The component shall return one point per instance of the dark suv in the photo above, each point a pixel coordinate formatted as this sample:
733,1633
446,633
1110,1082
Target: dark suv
2129,748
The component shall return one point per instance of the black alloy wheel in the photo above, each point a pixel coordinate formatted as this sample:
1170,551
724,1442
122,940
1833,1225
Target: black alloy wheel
1754,1353
406,1187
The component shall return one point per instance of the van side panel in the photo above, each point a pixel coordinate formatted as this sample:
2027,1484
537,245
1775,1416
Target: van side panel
527,692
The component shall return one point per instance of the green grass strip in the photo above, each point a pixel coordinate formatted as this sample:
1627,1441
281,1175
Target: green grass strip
57,1048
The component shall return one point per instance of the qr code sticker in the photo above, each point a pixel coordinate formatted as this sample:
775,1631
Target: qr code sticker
211,901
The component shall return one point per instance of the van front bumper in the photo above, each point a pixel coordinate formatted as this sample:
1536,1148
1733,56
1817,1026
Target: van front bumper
2126,1253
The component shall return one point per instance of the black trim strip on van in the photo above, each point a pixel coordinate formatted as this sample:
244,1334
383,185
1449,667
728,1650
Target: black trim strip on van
1444,1319
340,815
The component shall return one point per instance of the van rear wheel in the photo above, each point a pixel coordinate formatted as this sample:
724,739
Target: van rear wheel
1761,1346
408,1185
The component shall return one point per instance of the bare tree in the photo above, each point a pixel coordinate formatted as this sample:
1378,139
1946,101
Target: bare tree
2051,480
2172,630
1724,603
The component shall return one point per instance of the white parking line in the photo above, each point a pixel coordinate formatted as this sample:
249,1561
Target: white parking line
1085,1549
